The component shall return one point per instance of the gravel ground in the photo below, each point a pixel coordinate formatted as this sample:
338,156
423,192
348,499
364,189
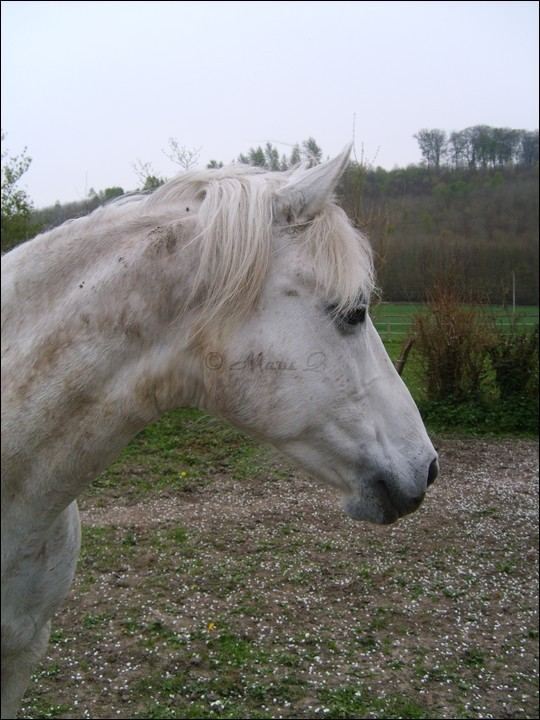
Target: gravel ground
260,598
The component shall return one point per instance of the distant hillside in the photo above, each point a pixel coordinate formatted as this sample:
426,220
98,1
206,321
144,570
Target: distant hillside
477,225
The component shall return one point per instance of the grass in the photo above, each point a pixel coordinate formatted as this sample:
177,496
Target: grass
394,321
356,702
182,452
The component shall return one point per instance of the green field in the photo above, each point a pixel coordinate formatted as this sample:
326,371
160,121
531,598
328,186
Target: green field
394,320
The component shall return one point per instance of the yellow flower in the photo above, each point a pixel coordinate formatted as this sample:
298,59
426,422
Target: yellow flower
183,473
211,626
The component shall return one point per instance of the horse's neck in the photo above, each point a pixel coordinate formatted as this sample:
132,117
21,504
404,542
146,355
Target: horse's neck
101,359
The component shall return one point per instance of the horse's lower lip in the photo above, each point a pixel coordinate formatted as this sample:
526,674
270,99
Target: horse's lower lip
401,505
391,513
379,510
396,507
384,507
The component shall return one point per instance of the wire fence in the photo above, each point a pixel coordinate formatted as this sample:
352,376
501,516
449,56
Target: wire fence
399,326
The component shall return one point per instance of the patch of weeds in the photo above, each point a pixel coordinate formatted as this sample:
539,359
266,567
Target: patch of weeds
380,621
441,673
178,535
364,572
247,460
367,641
505,566
232,650
397,707
92,620
486,512
155,711
304,577
439,588
474,657
287,659
132,627
438,673
354,702
252,609
130,539
41,709
288,689
156,632
103,548
437,564
57,636
287,529
402,550
324,546
452,593
52,670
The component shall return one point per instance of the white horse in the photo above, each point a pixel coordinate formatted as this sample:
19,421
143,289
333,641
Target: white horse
241,292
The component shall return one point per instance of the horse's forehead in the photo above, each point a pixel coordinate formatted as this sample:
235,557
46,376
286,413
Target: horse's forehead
289,261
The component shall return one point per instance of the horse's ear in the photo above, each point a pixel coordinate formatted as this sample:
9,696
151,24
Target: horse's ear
308,191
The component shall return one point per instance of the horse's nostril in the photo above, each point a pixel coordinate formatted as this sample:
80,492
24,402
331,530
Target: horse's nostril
433,472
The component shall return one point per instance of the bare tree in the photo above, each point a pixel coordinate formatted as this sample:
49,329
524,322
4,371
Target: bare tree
146,175
181,155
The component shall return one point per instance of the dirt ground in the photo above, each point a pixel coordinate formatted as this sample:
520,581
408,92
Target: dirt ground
260,598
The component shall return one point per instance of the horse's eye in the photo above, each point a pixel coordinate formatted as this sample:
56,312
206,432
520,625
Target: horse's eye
356,316
347,321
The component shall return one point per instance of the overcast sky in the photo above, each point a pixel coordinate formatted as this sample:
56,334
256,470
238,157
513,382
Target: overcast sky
90,87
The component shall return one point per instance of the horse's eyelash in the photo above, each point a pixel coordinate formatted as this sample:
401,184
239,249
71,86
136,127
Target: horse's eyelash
356,316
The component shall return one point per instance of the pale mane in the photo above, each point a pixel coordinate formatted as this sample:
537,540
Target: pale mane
234,241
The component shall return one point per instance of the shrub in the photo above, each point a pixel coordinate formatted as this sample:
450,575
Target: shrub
476,375
452,339
514,357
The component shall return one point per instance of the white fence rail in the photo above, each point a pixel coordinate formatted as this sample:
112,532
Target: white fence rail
399,327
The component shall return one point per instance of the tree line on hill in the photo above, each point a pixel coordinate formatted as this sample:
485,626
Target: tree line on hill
469,210
480,146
